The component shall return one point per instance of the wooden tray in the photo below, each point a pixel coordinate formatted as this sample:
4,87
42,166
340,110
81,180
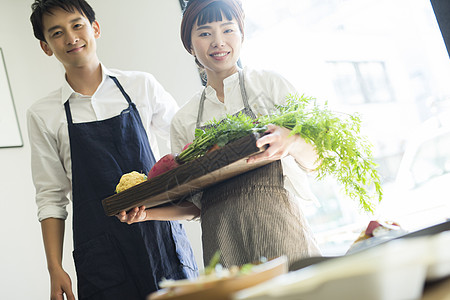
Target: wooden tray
189,178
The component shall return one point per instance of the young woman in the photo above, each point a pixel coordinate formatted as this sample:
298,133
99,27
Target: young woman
252,215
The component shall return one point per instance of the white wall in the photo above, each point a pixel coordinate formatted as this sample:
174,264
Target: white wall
136,35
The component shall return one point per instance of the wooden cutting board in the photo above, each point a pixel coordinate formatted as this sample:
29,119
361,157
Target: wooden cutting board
189,178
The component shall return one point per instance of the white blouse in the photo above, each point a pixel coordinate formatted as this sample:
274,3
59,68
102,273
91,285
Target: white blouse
265,89
49,138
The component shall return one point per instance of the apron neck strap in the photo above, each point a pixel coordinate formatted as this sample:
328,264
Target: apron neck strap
243,94
68,113
200,108
243,91
121,89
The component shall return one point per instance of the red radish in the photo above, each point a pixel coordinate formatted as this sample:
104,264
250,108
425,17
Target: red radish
371,227
166,163
187,145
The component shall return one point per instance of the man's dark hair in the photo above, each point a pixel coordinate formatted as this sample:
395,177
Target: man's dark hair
41,7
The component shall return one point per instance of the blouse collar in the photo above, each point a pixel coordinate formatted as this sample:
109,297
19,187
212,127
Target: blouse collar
230,80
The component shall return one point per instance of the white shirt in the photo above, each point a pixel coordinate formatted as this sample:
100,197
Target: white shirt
265,89
49,138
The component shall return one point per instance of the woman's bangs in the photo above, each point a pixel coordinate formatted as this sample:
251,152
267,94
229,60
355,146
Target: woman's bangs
213,13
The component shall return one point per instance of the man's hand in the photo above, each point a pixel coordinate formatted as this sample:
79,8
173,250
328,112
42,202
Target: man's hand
60,285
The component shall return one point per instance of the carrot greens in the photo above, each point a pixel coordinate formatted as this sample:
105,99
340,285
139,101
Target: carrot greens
343,152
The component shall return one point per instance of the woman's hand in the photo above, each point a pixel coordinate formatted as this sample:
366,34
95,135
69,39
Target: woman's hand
281,143
181,211
137,214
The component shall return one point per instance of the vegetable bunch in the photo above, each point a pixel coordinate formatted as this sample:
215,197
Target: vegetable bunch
219,133
343,152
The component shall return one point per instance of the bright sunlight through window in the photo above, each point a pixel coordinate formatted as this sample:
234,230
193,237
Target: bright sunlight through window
386,60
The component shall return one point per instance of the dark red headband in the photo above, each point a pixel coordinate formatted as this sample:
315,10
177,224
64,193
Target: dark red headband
193,9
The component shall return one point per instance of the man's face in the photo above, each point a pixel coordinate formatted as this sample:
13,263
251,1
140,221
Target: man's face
71,38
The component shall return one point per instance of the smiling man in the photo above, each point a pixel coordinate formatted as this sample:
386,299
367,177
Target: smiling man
84,136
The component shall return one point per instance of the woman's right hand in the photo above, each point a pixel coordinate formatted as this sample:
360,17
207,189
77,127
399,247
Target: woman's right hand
137,214
60,285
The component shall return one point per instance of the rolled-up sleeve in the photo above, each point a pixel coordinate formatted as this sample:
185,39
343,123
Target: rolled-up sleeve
48,173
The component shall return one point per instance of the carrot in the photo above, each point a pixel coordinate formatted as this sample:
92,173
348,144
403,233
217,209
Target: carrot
213,148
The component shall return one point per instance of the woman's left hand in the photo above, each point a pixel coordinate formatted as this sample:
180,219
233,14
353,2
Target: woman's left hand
279,142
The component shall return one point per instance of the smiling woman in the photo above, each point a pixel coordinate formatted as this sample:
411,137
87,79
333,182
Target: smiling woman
253,214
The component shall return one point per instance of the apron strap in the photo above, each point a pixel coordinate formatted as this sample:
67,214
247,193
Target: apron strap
68,113
247,108
200,108
121,89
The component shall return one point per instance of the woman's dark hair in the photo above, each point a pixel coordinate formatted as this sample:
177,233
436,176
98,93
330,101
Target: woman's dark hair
41,7
207,11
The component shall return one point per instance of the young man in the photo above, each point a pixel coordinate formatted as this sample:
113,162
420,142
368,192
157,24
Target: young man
84,137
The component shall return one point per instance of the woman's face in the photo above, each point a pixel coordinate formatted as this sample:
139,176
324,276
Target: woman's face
217,46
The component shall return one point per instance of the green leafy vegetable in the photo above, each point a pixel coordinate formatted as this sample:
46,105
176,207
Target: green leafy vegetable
246,269
343,152
209,269
221,133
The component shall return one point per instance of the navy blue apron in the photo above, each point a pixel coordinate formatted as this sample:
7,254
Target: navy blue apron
115,260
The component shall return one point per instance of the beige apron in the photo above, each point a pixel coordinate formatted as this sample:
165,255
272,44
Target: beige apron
252,215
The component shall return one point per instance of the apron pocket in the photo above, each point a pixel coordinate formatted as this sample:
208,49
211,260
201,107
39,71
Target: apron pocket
98,266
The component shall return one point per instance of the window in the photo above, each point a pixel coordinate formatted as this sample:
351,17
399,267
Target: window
360,82
431,160
384,59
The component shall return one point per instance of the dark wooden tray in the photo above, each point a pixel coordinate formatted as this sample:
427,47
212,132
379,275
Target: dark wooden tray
189,178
